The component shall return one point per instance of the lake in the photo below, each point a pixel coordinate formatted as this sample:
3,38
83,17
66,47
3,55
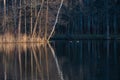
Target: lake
61,60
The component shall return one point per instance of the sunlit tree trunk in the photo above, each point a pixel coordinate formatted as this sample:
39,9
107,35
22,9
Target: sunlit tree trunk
14,15
4,22
19,24
35,4
46,23
40,26
25,17
37,18
31,18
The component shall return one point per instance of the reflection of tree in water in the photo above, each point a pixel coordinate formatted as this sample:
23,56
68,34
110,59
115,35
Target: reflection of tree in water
29,62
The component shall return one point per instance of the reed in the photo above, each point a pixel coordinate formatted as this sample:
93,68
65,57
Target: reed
23,38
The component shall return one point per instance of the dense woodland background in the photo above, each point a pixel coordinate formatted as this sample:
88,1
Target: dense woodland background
90,18
97,18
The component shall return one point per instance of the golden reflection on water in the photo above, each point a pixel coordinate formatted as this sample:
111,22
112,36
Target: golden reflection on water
28,61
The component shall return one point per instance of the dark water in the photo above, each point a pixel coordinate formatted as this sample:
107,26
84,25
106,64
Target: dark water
89,59
61,60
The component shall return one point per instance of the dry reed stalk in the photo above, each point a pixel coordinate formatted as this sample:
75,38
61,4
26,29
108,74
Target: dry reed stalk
22,38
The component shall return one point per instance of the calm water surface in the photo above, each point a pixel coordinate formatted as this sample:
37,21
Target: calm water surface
61,60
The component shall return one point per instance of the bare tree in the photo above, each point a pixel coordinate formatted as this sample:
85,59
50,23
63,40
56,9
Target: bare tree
37,18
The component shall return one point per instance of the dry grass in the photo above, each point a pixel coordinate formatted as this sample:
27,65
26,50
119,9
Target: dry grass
23,38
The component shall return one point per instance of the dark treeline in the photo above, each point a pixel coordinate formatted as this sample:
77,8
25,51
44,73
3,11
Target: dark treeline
98,18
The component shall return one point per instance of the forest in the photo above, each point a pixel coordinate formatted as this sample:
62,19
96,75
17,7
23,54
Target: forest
71,19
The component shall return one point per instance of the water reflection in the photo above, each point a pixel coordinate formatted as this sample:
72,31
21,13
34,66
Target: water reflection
89,59
65,60
28,62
